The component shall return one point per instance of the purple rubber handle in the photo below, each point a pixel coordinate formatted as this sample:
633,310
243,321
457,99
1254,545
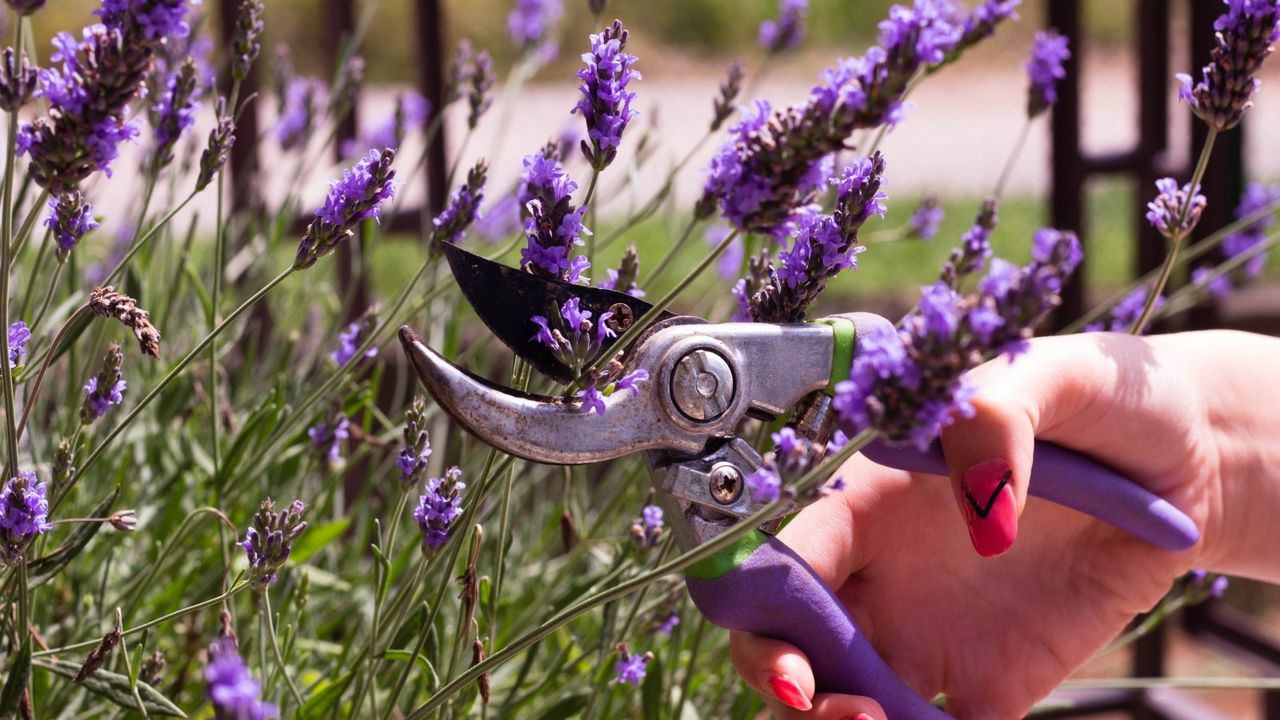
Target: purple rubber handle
775,593
1072,480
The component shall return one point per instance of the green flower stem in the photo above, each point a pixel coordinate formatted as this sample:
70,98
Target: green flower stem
128,667
587,200
688,670
1175,242
521,374
802,487
671,252
1200,249
275,646
50,288
170,377
235,589
6,260
219,251
24,230
1012,160
654,312
36,267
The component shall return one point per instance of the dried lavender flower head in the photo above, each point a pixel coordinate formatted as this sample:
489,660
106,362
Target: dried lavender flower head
1175,210
1045,69
787,32
106,389
106,302
246,41
606,102
1242,41
438,507
24,514
18,80
70,219
231,689
221,138
463,208
269,540
356,197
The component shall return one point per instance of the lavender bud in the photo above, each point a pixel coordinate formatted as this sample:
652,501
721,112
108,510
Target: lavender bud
463,209
350,340
1243,38
221,138
152,668
1176,210
104,390
979,24
356,197
328,435
17,80
630,668
438,507
174,113
24,514
624,278
106,302
64,457
725,102
787,32
70,219
124,520
974,250
459,72
302,100
532,23
606,103
647,529
925,220
413,457
268,542
25,7
479,97
231,689
245,42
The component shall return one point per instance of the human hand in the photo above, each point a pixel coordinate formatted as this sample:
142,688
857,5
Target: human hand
996,635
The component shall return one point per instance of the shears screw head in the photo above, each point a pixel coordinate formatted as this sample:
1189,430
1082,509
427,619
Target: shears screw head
702,385
725,483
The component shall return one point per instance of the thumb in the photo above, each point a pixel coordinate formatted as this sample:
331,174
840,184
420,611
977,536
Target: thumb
989,452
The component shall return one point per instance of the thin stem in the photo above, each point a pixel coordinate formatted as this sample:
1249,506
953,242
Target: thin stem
808,482
655,312
275,647
51,287
591,212
35,272
1012,159
144,237
24,230
1178,236
39,381
688,671
170,377
654,202
231,592
6,366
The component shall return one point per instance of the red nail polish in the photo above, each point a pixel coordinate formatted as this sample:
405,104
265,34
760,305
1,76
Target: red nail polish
786,690
990,510
861,716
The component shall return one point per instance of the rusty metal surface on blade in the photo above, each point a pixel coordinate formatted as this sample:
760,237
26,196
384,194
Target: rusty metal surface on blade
507,298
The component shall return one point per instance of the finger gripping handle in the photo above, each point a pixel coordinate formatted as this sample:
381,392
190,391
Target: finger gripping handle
1076,481
776,594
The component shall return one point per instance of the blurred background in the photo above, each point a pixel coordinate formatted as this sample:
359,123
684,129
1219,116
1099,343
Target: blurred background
962,124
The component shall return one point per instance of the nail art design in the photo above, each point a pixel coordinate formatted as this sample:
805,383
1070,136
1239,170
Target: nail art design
990,511
787,690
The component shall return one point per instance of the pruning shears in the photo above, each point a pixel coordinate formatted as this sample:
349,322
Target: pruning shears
704,380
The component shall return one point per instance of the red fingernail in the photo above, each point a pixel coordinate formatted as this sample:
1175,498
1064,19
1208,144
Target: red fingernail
861,716
786,690
990,510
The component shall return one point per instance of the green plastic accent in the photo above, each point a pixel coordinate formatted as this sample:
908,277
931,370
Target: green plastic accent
728,558
842,355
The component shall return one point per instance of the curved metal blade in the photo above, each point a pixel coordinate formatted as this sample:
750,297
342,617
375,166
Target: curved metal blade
546,429
506,298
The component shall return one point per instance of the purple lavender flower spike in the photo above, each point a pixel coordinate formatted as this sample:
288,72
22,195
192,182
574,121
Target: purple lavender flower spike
25,7
328,435
648,528
1255,198
926,219
438,507
246,40
410,113
975,248
24,514
301,106
1125,313
606,103
1045,70
1218,286
350,339
787,32
18,334
822,245
552,225
174,112
1243,38
106,389
231,689
1176,210
18,80
216,151
70,218
907,383
356,197
978,25
463,209
726,101
624,278
413,457
269,540
532,25
154,20
630,668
